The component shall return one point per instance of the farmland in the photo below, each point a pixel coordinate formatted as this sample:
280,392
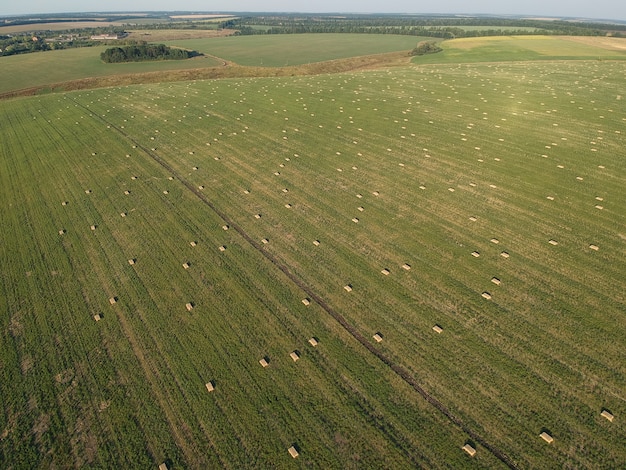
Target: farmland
193,218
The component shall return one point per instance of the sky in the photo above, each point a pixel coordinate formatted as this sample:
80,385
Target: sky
602,9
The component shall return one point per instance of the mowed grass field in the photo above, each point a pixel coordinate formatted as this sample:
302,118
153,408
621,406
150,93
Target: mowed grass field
485,199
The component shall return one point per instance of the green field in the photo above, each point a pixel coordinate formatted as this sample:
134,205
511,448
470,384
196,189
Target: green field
297,49
500,185
522,48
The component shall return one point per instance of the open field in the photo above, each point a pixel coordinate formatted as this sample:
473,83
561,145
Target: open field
156,35
297,49
483,199
518,48
56,26
16,72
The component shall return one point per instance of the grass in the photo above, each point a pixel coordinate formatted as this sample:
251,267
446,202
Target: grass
544,352
281,50
519,48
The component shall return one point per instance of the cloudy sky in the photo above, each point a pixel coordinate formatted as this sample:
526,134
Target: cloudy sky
604,9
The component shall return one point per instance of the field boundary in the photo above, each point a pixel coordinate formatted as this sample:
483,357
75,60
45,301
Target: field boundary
396,368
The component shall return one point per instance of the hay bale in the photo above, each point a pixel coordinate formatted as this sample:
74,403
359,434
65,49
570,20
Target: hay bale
201,187
257,216
376,193
553,242
550,198
348,288
316,242
222,248
209,386
355,220
361,209
87,191
265,241
437,329
193,243
186,265
473,219
306,302
469,449
486,295
313,341
295,355
93,227
385,272
225,227
62,232
475,254
406,267
494,240
97,317
293,452
378,337
127,192
495,280
131,261
113,300
594,247
123,214
166,192
189,306
546,437
504,254
163,466
64,203
607,415
264,361
288,206
599,207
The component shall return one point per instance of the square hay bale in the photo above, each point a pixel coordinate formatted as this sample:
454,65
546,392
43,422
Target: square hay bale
546,437
293,452
599,207
348,288
550,198
123,214
376,193
451,190
132,261
313,341
193,243
316,242
97,317
288,206
127,192
64,203
306,302
285,190
469,449
486,295
186,265
257,216
87,191
594,247
201,186
163,466
607,415
553,242
166,192
113,300
246,191
378,337
265,241
406,267
93,227
225,227
473,219
504,254
475,254
222,248
294,355
385,272
62,232
355,220
133,178
495,240
264,361
361,209
209,386
437,329
189,306
495,280
359,196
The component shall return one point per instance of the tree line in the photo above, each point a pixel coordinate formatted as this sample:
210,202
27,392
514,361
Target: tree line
145,52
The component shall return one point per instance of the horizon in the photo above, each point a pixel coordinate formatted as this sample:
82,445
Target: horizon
600,10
